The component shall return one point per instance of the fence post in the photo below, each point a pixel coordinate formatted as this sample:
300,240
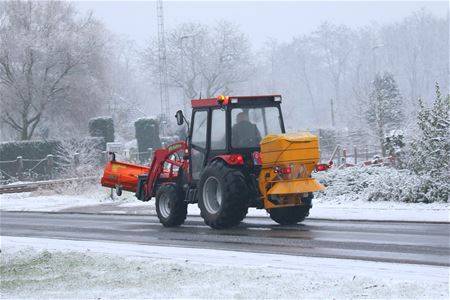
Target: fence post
339,156
355,151
76,159
367,153
76,162
104,157
19,167
344,157
50,163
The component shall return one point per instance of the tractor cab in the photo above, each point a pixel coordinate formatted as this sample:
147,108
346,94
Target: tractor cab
231,128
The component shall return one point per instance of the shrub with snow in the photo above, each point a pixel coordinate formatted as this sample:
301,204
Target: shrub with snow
429,153
79,157
382,184
102,127
147,136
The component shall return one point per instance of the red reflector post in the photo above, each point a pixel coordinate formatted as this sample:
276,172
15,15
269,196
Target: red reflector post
257,158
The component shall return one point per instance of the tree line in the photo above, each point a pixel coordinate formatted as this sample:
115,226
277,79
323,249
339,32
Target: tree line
59,68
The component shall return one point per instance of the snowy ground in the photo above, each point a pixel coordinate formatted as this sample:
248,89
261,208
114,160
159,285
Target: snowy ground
97,200
44,268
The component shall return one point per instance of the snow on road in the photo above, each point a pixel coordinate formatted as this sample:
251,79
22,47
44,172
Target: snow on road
46,268
97,200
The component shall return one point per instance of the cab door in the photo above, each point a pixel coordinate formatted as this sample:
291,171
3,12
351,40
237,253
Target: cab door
198,143
218,136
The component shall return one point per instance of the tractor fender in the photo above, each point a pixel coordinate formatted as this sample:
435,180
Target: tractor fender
230,159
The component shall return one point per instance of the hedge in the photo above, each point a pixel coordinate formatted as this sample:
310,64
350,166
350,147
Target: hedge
147,136
102,127
35,151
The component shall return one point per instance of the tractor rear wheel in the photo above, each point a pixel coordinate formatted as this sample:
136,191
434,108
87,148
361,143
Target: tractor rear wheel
223,195
289,215
170,206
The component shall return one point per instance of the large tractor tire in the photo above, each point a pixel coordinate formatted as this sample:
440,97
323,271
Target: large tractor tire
223,195
170,206
289,215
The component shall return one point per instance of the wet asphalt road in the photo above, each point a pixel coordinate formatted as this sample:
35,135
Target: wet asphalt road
401,242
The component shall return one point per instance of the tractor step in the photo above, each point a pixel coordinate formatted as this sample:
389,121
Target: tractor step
191,196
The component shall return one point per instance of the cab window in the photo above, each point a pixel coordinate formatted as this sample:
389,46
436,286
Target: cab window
200,128
218,130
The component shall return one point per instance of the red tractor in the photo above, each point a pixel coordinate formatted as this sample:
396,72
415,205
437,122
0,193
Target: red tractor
237,155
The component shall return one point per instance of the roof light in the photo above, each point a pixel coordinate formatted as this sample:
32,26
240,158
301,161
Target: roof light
222,100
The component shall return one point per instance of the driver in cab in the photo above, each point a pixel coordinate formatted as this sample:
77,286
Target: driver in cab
245,134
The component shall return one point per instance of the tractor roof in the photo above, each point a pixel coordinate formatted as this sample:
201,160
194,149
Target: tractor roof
211,102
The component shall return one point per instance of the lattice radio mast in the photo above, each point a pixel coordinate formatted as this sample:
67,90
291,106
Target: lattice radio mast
163,84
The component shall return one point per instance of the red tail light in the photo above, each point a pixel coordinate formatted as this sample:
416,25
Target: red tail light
280,170
234,159
287,170
322,167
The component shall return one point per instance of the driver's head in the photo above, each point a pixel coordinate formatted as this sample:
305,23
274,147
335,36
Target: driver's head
242,116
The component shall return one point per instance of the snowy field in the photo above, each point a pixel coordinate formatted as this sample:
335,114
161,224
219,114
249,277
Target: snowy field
97,199
44,268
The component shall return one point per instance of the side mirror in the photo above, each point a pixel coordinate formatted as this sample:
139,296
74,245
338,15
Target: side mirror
180,117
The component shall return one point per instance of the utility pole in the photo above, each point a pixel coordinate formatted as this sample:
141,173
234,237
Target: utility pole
163,84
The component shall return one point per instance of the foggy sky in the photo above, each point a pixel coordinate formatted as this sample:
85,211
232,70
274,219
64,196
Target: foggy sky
260,20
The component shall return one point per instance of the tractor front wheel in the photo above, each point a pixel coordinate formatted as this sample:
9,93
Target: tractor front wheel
170,207
223,195
289,215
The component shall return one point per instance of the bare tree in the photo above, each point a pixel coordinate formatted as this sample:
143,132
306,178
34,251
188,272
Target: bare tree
204,61
43,48
334,44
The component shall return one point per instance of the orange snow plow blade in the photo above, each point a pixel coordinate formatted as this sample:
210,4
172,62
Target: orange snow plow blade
123,175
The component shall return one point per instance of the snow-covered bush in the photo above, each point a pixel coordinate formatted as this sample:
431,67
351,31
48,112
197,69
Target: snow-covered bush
79,157
381,184
430,149
429,153
102,127
147,136
385,107
425,160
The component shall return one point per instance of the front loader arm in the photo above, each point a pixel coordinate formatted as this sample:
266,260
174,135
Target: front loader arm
125,176
157,171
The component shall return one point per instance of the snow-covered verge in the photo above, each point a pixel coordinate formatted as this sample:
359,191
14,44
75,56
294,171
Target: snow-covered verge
63,197
380,183
347,206
45,268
